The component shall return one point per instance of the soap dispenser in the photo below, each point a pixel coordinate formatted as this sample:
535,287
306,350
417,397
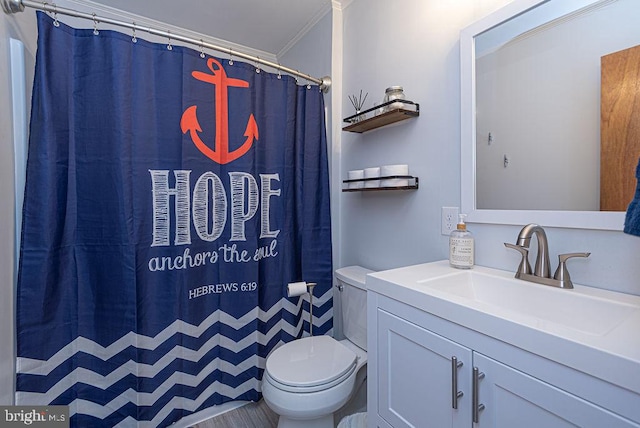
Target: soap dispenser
461,246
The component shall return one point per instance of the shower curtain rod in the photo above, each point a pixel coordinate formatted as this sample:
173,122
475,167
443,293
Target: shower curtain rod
14,6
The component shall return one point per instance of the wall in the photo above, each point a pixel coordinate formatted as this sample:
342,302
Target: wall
21,27
415,43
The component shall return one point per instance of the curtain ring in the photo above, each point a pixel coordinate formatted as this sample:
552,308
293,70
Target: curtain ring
169,46
55,15
134,39
258,65
230,57
202,55
95,25
279,72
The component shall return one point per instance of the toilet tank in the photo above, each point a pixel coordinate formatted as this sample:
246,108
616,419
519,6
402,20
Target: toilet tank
353,297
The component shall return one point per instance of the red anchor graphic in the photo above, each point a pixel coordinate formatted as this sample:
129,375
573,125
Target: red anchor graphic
189,121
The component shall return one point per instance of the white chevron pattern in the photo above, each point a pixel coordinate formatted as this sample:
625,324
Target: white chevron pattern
192,405
44,368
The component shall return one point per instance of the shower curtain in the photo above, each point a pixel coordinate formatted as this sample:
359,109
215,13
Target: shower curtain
170,197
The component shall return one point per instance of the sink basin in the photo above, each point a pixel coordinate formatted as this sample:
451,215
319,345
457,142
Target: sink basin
575,309
592,330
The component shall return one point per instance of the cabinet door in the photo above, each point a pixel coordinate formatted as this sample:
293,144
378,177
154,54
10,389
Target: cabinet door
415,376
515,399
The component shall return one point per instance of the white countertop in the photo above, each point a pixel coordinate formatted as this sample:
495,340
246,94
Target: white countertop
612,355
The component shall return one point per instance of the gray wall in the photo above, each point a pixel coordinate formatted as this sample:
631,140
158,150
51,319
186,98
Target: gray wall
415,44
20,27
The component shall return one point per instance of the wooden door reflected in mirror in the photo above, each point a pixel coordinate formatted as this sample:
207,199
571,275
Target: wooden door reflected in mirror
619,128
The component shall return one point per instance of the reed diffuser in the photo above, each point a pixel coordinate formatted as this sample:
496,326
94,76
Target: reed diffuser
357,104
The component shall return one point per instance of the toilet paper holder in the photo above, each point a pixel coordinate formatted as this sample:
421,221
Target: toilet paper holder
310,286
295,288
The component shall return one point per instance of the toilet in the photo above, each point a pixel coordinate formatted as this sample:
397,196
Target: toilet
307,380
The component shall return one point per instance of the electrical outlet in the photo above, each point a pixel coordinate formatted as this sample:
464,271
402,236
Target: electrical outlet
449,219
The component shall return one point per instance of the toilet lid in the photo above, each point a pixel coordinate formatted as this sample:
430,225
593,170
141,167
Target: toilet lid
310,361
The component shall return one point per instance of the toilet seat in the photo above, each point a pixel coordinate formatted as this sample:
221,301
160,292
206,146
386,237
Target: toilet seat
310,364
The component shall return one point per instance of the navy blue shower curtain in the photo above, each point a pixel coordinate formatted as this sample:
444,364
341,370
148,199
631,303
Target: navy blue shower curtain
170,198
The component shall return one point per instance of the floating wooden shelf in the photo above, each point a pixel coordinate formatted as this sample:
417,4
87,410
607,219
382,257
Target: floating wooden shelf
358,122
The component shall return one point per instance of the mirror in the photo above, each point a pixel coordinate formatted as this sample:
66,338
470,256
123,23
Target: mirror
530,75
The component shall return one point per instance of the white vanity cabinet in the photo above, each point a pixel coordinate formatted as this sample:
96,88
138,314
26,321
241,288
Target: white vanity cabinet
413,382
416,376
512,398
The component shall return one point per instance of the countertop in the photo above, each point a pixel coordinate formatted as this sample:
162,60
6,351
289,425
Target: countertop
613,355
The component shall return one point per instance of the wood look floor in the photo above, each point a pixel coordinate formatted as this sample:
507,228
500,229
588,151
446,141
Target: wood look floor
252,415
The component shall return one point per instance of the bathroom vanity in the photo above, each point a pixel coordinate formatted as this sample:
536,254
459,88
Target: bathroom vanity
451,348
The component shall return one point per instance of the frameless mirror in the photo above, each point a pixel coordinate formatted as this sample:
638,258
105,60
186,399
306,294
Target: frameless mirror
531,110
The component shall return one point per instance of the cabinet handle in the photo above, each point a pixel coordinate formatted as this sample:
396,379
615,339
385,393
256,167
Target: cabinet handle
477,407
455,394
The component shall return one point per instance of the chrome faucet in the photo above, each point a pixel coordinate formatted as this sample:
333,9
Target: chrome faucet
542,272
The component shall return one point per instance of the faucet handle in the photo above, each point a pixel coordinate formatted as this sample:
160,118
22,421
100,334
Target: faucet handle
524,267
562,273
